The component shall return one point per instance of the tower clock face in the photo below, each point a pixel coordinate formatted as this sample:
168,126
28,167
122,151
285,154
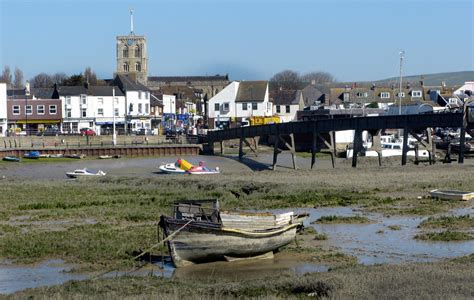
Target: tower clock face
130,42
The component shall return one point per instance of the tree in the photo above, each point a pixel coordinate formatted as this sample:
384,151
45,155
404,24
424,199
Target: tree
42,80
317,77
90,76
76,79
287,80
18,83
59,78
6,75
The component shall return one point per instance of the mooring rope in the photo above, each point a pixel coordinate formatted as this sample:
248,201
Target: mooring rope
144,252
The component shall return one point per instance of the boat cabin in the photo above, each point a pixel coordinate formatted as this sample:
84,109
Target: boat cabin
198,210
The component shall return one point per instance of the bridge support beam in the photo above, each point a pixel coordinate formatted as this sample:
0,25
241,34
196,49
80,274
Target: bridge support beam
275,151
462,141
357,146
377,145
313,147
405,146
243,141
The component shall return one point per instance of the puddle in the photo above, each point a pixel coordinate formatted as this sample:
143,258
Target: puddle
15,278
376,243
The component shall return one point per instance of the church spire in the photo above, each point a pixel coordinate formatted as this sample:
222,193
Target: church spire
131,21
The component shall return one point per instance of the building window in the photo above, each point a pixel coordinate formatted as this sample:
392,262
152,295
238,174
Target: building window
68,100
116,112
100,112
16,109
75,126
139,108
361,94
139,94
384,95
52,109
254,106
401,95
40,109
416,94
278,109
84,99
146,108
125,52
83,113
147,95
100,101
29,109
130,108
287,108
125,67
226,106
216,106
138,67
69,113
244,106
138,52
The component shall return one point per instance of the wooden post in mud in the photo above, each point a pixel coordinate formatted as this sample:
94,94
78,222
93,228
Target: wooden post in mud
275,151
222,147
377,145
241,150
405,146
293,150
313,146
462,141
357,145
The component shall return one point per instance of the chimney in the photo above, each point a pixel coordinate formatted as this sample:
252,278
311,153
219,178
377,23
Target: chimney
313,82
280,89
373,86
443,83
86,84
408,85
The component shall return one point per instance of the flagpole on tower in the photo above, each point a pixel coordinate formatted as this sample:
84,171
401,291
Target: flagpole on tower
131,20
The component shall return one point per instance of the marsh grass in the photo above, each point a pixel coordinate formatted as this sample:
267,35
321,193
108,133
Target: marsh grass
448,222
342,219
394,227
445,236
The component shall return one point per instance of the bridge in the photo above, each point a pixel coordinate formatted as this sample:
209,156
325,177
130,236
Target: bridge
320,129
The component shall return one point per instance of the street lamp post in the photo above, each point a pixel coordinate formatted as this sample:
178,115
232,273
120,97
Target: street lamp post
402,53
114,135
27,93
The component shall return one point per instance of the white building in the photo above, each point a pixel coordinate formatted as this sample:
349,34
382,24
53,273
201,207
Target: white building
286,104
137,98
169,104
92,107
466,89
3,108
238,102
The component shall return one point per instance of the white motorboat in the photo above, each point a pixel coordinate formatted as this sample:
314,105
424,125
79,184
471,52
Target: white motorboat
84,173
171,168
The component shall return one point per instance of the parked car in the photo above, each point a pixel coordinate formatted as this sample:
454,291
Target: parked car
144,131
49,132
87,132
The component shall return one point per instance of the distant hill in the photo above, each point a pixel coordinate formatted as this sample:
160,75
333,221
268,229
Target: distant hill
450,78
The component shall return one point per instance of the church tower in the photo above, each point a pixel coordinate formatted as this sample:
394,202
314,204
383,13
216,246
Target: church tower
132,55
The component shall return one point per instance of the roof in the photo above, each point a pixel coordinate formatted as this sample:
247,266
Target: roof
43,93
216,77
156,100
286,97
251,91
127,84
104,90
312,94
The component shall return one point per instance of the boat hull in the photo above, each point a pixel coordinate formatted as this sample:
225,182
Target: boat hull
171,169
452,195
200,242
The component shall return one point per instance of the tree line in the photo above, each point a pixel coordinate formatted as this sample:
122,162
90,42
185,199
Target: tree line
292,80
45,80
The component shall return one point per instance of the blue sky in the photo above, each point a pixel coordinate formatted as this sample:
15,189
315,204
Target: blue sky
249,39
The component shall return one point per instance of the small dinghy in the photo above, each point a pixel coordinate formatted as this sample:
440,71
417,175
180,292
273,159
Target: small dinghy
32,155
172,168
11,158
84,173
203,170
452,195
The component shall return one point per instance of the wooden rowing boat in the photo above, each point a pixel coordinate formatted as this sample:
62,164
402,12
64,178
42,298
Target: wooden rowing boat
197,233
452,195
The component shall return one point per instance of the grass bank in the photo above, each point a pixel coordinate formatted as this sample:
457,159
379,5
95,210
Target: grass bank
445,236
449,222
342,219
